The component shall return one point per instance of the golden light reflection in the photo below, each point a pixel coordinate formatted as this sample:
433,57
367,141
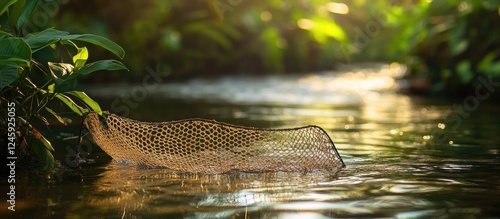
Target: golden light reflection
337,8
464,6
136,190
266,16
305,24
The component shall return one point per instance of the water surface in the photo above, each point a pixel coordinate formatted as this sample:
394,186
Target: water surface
399,165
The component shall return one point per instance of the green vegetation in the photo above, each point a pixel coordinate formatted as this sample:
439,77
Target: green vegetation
39,68
449,43
214,36
446,43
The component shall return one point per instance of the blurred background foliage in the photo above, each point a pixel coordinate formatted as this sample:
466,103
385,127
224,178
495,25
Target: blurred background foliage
446,43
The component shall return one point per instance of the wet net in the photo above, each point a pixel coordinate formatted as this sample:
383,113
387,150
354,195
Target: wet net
210,147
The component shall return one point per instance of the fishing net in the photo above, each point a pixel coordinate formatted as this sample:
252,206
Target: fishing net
206,146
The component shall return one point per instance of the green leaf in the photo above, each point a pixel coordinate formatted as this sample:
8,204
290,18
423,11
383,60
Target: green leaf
486,62
42,39
43,119
59,118
71,104
4,4
81,57
51,88
5,34
8,74
327,27
87,100
15,61
108,65
15,11
49,161
99,41
14,48
40,147
64,85
14,53
26,13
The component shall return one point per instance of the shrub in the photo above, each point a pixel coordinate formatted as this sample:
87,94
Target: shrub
39,68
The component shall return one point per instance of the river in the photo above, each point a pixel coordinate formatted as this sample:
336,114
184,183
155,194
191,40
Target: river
406,156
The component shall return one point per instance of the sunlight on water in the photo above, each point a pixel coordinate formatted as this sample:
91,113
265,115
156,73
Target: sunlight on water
397,164
352,86
328,88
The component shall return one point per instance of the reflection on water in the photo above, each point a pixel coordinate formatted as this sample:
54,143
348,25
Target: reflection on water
395,166
161,191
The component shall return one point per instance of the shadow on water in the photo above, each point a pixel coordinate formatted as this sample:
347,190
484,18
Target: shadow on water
398,162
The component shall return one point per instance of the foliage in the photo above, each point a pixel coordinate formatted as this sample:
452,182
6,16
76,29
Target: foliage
446,43
449,42
39,68
215,36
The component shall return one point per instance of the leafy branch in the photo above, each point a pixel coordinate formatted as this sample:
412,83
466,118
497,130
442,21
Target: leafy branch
18,78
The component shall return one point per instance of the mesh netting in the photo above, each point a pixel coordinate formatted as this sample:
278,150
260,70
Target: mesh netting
206,146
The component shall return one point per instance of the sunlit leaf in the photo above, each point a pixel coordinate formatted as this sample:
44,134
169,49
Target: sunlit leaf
102,65
324,28
59,118
51,88
87,100
71,104
81,57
